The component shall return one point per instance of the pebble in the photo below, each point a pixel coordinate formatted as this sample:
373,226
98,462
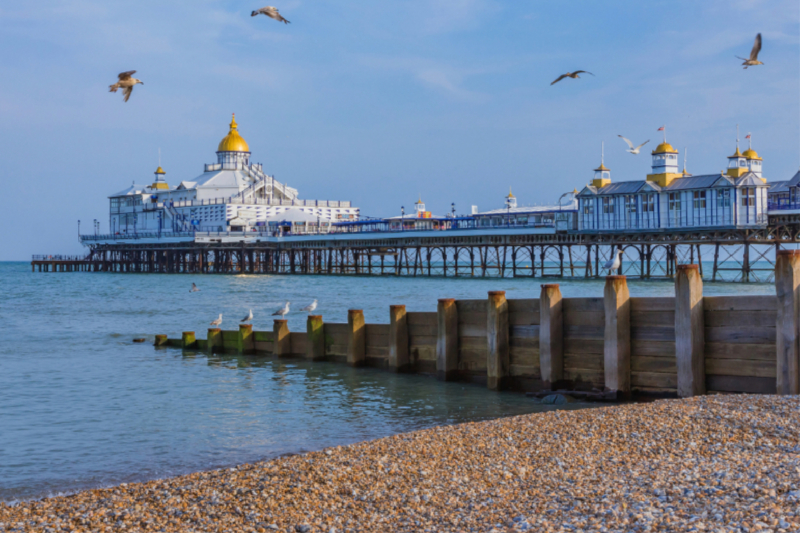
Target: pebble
712,463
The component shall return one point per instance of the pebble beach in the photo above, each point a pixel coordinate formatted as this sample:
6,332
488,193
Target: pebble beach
713,463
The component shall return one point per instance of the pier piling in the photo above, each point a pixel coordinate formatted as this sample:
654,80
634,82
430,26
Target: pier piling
497,338
787,288
689,331
315,346
551,335
161,340
356,338
617,338
398,338
447,340
188,340
246,344
281,343
214,341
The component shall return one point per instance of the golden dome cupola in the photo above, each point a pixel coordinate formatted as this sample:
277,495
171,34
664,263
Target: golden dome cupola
160,183
511,200
602,174
751,156
233,151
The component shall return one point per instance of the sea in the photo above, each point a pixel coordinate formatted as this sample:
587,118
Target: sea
82,406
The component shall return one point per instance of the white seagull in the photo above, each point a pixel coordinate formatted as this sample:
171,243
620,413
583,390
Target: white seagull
614,263
194,288
126,83
283,311
310,307
632,149
217,322
271,12
753,59
249,317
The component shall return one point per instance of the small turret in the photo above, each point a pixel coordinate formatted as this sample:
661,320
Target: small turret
665,164
602,175
511,200
752,160
160,183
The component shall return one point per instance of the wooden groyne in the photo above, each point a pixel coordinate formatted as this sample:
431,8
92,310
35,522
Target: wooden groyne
684,345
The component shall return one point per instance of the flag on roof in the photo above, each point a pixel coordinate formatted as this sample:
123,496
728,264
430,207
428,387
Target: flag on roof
747,136
661,128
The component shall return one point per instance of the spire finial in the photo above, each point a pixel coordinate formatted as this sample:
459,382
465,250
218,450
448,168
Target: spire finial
602,153
233,122
737,137
685,156
159,157
749,141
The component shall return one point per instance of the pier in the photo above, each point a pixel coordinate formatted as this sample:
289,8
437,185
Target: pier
64,263
683,346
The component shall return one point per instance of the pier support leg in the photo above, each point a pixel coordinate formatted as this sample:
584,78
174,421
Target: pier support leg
188,340
617,336
214,341
161,340
399,360
356,338
315,346
689,331
246,341
497,336
281,342
551,335
787,288
447,340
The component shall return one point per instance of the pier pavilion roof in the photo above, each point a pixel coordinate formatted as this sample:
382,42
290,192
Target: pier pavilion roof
705,181
566,206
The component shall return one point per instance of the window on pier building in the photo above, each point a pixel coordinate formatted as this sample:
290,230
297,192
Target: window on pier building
648,203
748,197
630,204
699,199
588,207
608,206
723,198
674,200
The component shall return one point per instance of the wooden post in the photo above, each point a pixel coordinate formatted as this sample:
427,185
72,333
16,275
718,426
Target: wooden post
787,287
281,342
447,340
551,335
188,340
315,347
689,331
161,340
399,359
497,335
214,341
617,336
356,338
246,341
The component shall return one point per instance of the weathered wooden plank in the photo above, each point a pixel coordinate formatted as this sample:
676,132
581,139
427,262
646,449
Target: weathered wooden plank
472,318
657,380
530,332
475,356
424,352
583,305
336,349
756,352
652,304
740,303
377,351
665,334
741,334
524,342
590,319
230,336
654,364
523,305
472,342
298,342
471,306
377,329
525,371
262,346
422,319
422,340
585,375
524,318
659,319
472,330
652,348
524,356
423,329
752,385
584,332
587,361
741,367
262,336
583,346
715,319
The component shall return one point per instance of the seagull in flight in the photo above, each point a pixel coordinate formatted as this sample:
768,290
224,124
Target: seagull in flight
282,311
126,83
632,149
217,322
753,61
194,288
573,75
271,12
310,307
249,317
614,264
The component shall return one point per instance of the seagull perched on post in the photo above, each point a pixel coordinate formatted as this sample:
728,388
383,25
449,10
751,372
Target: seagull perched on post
249,317
573,75
217,322
614,263
194,288
282,311
310,307
753,61
632,149
271,12
126,83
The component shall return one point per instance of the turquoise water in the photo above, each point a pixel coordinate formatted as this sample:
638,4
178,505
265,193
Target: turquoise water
82,406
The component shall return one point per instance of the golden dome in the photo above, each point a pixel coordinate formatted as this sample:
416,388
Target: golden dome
510,194
160,170
751,154
665,148
233,142
735,155
601,168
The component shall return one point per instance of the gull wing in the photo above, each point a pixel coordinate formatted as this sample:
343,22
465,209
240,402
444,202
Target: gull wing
583,72
647,141
127,75
559,79
756,48
626,140
127,92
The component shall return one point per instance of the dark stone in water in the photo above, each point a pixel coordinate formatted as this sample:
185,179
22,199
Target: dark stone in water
139,340
555,399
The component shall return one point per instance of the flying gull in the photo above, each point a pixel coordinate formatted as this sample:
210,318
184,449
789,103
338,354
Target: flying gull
573,75
217,322
271,12
310,307
614,264
126,83
282,311
632,149
194,288
753,61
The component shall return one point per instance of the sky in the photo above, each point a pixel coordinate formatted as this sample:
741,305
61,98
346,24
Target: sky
379,103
